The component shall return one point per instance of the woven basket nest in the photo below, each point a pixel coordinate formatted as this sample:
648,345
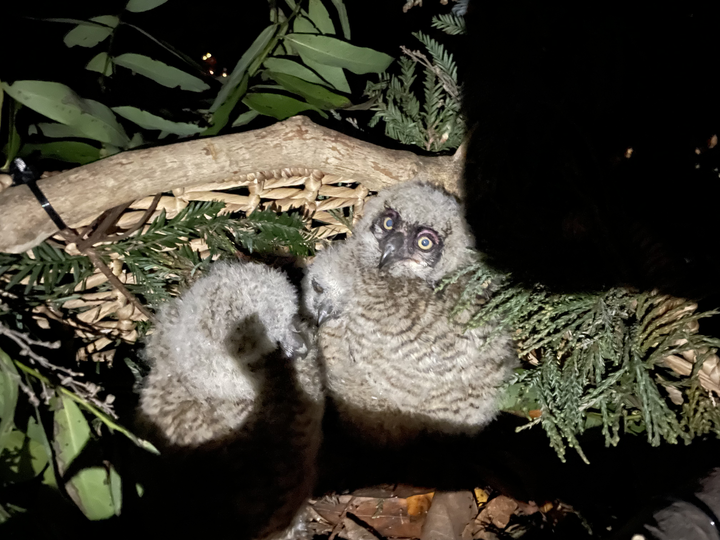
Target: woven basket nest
110,317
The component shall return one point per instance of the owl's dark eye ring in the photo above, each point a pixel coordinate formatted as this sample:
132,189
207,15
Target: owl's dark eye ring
425,243
388,223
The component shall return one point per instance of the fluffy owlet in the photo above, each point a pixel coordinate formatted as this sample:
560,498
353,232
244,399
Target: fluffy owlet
234,401
396,364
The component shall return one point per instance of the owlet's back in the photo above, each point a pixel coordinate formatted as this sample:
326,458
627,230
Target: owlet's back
234,401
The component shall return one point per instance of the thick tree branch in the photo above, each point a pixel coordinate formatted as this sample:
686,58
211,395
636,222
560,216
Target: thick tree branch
84,192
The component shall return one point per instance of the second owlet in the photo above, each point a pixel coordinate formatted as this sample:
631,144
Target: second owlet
234,402
396,365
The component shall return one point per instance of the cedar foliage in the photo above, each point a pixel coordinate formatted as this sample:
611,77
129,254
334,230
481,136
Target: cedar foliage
598,359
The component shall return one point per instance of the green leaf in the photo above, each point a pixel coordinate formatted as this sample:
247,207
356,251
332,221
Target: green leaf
92,491
320,17
277,105
22,458
235,78
100,124
56,131
291,67
331,51
87,34
147,120
8,396
37,433
89,488
344,21
160,72
302,25
101,63
51,99
60,103
313,93
69,151
245,118
222,116
72,433
138,6
13,144
115,490
334,75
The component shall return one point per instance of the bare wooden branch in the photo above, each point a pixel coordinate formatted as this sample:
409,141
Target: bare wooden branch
84,192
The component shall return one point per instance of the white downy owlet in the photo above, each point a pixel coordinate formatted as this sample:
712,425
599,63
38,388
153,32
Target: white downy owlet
396,365
234,401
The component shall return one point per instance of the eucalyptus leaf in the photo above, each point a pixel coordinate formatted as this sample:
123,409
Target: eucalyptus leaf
320,17
51,99
101,63
291,67
100,124
60,103
136,140
344,21
313,93
138,6
147,120
222,116
71,431
13,144
22,458
115,490
92,491
160,72
334,52
59,131
245,118
333,75
236,77
8,395
69,151
36,432
88,34
89,488
302,25
277,105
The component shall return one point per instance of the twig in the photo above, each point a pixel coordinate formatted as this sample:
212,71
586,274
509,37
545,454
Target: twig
99,234
145,217
448,84
25,342
339,525
107,420
88,389
112,278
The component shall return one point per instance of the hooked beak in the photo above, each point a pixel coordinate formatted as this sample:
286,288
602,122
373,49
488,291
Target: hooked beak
391,247
325,312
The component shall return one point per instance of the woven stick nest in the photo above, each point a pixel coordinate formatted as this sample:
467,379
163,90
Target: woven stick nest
112,316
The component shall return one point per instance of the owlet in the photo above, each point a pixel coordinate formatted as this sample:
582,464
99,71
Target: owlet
396,364
234,401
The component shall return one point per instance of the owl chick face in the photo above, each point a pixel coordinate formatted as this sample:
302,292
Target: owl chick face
414,230
403,243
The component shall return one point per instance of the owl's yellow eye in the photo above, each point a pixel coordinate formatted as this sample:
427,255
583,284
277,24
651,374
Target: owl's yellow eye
425,243
388,223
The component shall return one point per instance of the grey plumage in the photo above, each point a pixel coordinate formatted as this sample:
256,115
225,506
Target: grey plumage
396,365
234,400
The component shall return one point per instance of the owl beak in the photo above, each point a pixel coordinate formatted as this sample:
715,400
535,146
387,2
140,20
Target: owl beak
392,247
325,312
